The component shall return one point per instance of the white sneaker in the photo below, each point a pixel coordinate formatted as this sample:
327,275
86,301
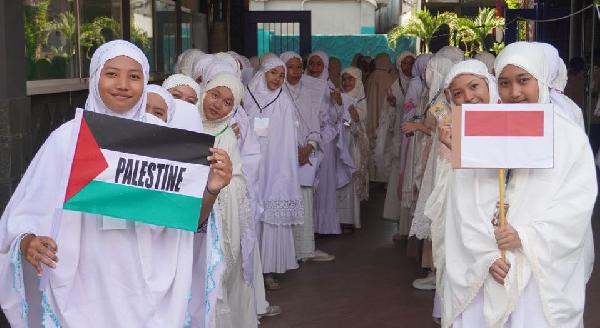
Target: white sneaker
427,283
321,256
272,310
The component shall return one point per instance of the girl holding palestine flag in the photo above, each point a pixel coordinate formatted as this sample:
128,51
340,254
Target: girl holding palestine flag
548,231
104,272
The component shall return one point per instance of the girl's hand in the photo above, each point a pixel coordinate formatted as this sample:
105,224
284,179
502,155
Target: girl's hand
221,170
499,270
445,135
38,250
507,238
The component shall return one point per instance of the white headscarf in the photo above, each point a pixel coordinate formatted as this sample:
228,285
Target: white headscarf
247,68
416,84
265,56
474,67
176,80
217,67
453,53
542,62
200,65
325,59
185,61
234,84
286,56
231,60
436,71
258,85
103,54
486,58
403,77
166,96
358,92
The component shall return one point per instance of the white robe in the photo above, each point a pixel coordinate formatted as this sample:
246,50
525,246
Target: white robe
551,211
134,277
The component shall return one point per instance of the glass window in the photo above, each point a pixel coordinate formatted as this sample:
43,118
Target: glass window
186,29
50,39
166,34
141,28
100,22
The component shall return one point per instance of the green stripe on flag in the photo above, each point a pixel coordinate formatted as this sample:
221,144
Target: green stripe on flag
137,204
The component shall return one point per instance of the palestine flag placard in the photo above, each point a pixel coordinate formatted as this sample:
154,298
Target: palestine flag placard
137,171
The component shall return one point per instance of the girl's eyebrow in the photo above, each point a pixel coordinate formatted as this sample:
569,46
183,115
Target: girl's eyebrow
474,80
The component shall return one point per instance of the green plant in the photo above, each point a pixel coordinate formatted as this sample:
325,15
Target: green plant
497,47
65,25
483,25
513,4
93,34
36,28
422,25
140,38
461,32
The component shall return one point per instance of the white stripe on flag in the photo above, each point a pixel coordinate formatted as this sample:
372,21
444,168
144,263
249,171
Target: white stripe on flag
189,185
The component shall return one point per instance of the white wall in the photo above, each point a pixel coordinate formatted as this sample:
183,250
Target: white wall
340,17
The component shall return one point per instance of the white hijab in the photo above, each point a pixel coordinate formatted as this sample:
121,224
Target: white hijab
325,74
453,53
103,54
258,85
436,71
180,79
486,58
542,61
185,61
474,67
167,97
358,93
217,67
234,84
200,65
404,79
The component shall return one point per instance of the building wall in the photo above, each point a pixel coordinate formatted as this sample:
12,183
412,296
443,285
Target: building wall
329,17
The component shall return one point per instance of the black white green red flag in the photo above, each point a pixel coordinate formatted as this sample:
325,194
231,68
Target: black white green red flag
138,171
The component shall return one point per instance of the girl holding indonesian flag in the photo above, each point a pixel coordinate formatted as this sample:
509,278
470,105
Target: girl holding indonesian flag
548,235
104,272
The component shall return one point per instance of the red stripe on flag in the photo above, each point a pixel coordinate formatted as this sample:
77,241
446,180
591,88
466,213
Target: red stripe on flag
88,161
504,123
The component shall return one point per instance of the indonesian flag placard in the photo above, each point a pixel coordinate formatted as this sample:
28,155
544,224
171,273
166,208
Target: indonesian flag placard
503,136
137,171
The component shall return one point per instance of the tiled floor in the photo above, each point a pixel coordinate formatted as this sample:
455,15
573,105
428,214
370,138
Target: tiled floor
369,284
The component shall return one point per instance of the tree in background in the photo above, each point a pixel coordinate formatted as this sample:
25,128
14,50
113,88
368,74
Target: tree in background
422,25
470,33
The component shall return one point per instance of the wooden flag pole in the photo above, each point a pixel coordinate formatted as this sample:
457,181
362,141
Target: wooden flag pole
502,221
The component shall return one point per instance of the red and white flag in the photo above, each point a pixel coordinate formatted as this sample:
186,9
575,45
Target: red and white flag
503,136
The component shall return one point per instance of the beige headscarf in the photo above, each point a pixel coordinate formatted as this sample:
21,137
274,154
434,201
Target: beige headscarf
377,86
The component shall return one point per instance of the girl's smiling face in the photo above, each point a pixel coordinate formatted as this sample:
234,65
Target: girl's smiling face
469,89
121,84
516,85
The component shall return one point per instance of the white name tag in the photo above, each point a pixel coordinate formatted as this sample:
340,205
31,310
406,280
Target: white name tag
261,126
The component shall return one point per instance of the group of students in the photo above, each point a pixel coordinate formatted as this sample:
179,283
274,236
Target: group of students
289,160
548,238
296,144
